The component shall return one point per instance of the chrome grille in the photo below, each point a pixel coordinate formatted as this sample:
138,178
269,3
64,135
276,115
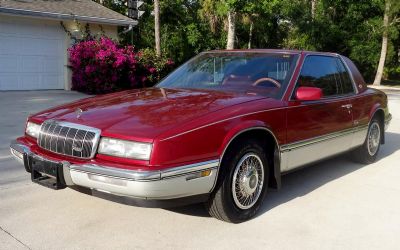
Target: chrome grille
69,139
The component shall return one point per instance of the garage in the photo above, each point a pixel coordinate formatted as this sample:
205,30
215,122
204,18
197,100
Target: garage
31,55
35,36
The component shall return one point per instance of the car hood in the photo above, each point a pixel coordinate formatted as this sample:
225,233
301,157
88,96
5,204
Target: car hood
143,114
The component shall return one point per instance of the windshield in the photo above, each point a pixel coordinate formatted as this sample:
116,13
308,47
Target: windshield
265,74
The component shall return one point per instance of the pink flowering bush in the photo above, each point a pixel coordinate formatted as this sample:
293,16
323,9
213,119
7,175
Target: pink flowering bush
103,66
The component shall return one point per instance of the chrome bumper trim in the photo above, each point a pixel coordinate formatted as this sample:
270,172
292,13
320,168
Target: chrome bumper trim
18,147
143,175
177,182
160,189
116,173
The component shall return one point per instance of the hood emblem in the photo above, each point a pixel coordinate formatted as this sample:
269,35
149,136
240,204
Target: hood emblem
76,148
78,112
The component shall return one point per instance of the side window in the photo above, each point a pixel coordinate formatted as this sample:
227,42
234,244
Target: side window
347,84
320,72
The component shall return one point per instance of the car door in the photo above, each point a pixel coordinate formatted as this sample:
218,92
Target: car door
361,104
321,128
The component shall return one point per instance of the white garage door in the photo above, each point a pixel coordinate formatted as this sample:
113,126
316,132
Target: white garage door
31,54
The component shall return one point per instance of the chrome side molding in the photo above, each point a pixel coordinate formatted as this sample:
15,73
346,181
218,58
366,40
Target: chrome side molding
304,152
298,144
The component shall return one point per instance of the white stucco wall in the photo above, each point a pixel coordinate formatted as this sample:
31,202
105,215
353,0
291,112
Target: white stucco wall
42,25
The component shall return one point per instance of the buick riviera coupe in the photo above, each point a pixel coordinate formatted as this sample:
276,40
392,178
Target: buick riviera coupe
221,129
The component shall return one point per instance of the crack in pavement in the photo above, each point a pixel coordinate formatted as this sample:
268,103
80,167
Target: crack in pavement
2,229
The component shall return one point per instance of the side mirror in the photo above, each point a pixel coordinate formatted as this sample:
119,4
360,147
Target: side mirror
308,93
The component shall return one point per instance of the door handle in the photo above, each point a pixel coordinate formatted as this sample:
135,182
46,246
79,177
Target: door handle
348,106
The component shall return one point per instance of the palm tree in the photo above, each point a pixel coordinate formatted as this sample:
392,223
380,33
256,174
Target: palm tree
381,65
230,43
219,10
313,8
157,27
390,18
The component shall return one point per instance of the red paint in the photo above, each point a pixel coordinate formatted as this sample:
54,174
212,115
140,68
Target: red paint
144,114
308,94
307,120
188,126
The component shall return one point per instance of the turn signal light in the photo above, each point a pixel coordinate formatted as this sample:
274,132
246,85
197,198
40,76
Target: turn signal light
203,173
206,173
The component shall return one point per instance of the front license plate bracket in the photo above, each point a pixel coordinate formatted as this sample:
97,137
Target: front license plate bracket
47,173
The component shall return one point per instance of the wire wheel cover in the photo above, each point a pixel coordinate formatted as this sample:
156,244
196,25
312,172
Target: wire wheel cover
248,180
374,137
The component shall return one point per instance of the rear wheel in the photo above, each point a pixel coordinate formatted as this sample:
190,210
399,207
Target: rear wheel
367,153
242,185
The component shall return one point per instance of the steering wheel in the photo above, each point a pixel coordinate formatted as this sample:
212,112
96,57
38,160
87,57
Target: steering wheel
267,79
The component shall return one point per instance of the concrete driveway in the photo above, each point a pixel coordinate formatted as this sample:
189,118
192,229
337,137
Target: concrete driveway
336,204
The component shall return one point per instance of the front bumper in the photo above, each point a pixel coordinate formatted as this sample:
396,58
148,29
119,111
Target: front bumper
173,183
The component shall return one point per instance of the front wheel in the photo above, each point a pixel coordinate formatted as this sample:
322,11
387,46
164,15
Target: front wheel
242,184
367,153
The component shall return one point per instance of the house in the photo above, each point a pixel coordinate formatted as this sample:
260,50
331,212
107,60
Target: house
35,36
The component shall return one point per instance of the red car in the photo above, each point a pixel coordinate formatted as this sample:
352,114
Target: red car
220,129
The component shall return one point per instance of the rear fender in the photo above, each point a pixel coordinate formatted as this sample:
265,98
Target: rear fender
377,107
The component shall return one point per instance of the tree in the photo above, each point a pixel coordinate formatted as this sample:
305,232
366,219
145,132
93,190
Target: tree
313,8
217,13
260,20
230,43
227,10
157,27
381,65
251,28
388,14
352,28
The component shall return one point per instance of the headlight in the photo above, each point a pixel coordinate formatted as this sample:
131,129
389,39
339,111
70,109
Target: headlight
32,129
126,149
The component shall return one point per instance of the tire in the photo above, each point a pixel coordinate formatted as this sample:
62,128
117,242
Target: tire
231,206
366,153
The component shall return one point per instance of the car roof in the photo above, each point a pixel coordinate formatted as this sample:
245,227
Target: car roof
285,51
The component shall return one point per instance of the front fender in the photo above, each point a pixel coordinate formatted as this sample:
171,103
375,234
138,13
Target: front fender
239,129
275,178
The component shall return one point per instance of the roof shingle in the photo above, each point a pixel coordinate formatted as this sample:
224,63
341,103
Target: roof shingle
82,10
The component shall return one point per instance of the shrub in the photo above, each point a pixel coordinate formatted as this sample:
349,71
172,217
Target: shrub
158,66
103,66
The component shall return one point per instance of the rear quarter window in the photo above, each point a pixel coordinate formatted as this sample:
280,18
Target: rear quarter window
357,76
347,84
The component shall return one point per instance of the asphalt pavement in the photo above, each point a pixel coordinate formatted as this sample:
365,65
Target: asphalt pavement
336,204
